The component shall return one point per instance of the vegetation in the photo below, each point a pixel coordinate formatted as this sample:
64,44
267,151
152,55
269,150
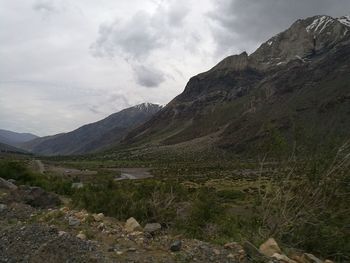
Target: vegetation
302,203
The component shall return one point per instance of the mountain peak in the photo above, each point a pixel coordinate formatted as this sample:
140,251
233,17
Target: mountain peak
146,106
304,39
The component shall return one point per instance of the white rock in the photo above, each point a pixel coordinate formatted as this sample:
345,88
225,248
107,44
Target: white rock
132,225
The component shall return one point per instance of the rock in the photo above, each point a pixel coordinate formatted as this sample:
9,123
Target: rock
176,246
7,185
216,251
233,245
81,236
3,207
101,227
72,221
132,225
98,217
270,247
309,258
283,258
82,215
61,233
254,253
77,185
328,261
152,228
12,181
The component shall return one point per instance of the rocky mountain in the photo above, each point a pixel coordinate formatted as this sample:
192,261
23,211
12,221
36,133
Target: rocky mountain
15,138
295,88
95,136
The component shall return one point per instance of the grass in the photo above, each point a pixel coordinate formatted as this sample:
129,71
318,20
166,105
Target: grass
213,201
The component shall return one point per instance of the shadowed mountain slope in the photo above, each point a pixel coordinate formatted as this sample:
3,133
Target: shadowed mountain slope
294,89
95,136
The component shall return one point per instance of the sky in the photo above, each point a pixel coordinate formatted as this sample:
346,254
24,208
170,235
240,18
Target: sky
66,63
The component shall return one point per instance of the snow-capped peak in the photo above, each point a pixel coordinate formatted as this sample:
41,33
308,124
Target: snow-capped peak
320,24
345,20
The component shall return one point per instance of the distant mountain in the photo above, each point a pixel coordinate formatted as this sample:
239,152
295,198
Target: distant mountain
5,148
295,88
15,138
95,136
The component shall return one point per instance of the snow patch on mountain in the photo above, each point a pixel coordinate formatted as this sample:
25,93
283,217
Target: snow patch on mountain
345,20
320,24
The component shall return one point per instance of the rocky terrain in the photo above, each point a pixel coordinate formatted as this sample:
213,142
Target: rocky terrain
37,226
95,136
295,86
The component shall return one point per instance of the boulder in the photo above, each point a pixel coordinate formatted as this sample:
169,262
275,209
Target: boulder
72,221
176,246
254,253
98,217
283,258
152,228
4,184
81,236
132,225
269,248
309,258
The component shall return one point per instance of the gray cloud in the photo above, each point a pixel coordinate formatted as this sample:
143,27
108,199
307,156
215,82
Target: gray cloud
148,77
142,33
244,24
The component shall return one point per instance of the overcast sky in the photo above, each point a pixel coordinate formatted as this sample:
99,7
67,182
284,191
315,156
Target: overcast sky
65,63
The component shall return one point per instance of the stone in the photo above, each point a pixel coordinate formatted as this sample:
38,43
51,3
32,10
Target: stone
328,261
233,246
283,258
101,226
61,233
98,217
4,184
81,236
309,258
3,207
72,221
152,228
270,247
216,251
176,246
254,253
132,225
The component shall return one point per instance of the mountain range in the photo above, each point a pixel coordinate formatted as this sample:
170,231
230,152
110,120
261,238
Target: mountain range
94,136
293,90
14,138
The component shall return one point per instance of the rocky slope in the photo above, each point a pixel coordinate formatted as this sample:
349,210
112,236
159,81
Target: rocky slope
36,227
15,138
10,149
95,136
295,86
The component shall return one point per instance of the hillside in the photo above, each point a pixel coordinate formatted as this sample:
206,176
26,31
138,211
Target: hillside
293,89
95,136
10,149
15,138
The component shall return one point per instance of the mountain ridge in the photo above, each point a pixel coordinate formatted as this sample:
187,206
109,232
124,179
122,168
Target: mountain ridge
238,98
94,136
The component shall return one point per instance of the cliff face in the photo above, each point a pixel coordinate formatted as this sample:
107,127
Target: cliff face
297,80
